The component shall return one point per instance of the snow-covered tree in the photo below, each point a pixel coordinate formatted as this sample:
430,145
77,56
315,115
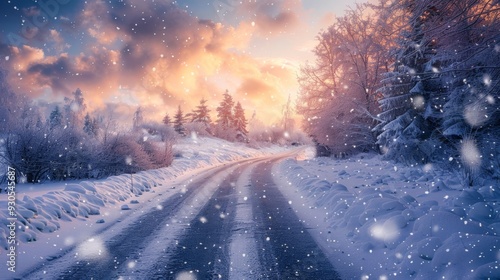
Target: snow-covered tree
90,125
240,122
179,122
225,117
55,118
338,96
202,113
440,100
412,98
468,38
166,120
74,109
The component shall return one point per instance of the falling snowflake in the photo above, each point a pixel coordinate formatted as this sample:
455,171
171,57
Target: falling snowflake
131,264
128,160
418,102
487,80
427,168
490,99
475,115
470,154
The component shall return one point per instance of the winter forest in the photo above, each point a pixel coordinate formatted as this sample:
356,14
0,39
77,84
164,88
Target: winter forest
73,144
269,139
414,80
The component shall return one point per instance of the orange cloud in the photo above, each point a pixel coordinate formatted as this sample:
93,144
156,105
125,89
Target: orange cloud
158,56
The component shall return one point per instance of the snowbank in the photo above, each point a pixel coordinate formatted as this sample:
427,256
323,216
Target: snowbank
44,211
400,222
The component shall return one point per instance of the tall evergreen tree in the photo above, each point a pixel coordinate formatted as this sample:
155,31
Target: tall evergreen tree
166,120
412,100
202,113
55,118
240,122
90,125
179,122
225,116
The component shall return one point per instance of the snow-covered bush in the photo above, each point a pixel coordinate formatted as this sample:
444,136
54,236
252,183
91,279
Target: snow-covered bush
160,154
224,132
158,131
55,151
200,128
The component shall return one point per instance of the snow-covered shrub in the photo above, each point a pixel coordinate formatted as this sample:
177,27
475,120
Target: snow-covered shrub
200,128
122,154
224,132
159,132
160,154
29,152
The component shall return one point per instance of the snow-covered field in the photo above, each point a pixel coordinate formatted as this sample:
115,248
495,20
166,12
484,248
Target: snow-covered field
53,217
378,220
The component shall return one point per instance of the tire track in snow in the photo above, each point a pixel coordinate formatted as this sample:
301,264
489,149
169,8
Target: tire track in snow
154,261
287,250
204,250
244,257
99,259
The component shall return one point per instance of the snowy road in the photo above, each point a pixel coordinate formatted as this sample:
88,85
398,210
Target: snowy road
230,222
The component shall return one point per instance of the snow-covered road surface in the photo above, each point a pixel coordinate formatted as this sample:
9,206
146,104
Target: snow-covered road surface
229,222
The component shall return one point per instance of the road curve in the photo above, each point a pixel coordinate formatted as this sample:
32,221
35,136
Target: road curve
197,233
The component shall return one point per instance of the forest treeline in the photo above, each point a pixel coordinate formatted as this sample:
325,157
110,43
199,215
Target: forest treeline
72,142
417,80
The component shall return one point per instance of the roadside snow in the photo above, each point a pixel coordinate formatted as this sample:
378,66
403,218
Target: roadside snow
378,220
53,217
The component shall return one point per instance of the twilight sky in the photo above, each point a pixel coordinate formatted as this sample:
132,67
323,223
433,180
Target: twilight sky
160,54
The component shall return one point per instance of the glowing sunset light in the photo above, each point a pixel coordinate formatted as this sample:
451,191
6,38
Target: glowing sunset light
161,54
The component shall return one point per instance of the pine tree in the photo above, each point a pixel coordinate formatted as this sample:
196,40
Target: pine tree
166,120
189,117
179,122
74,109
90,125
225,111
240,122
411,101
55,118
202,113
